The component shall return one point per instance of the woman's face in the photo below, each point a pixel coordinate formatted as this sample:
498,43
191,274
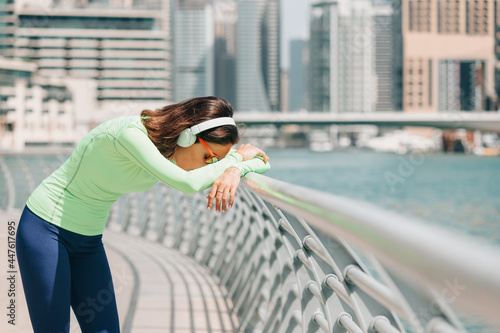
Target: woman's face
193,157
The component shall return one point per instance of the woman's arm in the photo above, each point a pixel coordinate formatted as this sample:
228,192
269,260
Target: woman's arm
224,188
256,164
135,145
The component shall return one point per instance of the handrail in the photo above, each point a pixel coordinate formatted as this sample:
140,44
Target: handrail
464,270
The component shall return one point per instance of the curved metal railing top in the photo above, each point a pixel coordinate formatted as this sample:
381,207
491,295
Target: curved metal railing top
458,268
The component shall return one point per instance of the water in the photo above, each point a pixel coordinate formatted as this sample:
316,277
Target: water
458,191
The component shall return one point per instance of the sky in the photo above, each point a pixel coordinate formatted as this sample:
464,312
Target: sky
294,24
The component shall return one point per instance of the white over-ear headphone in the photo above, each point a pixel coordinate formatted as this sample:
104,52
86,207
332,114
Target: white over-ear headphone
188,136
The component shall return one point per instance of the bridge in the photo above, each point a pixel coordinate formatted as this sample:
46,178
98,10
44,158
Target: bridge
285,258
484,121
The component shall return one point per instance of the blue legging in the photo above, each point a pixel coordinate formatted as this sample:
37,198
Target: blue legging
59,269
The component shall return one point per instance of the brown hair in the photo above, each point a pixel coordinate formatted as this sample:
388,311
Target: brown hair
166,124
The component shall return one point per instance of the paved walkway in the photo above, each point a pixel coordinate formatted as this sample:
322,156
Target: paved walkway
157,289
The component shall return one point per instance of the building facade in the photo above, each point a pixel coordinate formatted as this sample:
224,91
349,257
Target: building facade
449,55
341,61
320,57
297,76
226,17
126,51
7,27
388,57
193,46
40,111
258,55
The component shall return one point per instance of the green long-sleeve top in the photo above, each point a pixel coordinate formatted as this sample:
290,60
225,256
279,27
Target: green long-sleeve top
114,158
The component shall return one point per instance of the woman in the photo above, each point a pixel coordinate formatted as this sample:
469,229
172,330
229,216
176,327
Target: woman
59,240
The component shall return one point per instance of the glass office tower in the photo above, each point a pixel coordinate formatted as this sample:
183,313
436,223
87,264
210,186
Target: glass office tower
341,61
258,55
193,46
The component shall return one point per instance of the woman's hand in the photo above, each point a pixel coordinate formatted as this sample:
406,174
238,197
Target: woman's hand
223,187
248,152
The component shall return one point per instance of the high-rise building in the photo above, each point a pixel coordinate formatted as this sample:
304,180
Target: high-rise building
126,51
258,55
36,111
320,57
449,55
297,75
226,16
496,106
387,86
284,84
7,27
341,56
193,46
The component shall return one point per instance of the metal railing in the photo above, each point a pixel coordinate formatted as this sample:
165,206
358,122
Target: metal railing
294,259
283,276
431,267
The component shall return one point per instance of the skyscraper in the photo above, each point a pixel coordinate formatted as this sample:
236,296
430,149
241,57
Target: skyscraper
193,45
126,51
320,57
341,56
258,55
387,86
449,55
297,75
496,105
6,27
226,16
40,111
